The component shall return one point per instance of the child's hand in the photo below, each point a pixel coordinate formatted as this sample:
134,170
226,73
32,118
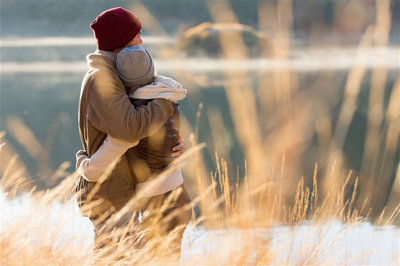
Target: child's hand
179,149
81,155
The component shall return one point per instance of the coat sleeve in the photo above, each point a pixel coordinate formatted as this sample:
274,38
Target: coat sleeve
111,112
103,160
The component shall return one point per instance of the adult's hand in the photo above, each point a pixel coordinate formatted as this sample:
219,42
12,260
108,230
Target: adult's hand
180,148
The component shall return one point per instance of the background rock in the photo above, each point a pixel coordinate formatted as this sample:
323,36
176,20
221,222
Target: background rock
205,40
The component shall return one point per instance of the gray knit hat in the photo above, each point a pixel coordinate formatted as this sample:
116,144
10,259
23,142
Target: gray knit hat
135,66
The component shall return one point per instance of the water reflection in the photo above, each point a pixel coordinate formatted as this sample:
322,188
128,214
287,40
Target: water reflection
40,85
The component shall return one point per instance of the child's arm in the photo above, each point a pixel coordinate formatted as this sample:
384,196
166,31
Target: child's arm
92,168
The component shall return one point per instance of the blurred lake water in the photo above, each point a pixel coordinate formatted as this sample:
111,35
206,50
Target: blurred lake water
41,78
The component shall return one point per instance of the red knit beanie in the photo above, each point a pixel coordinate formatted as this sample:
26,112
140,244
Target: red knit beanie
114,28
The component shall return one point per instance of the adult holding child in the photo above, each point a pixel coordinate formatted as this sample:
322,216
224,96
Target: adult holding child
105,110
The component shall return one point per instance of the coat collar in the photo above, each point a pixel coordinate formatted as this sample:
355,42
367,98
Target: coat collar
101,57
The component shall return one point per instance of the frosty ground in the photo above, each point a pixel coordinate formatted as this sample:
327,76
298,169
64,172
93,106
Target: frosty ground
324,242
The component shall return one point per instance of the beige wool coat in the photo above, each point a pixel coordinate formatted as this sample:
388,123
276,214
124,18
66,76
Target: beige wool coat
105,109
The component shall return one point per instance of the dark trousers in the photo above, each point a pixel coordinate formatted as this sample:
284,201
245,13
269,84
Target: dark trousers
166,216
163,218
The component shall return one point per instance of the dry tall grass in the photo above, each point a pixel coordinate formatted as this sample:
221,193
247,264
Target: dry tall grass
270,193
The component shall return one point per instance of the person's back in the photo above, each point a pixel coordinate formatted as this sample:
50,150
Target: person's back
152,154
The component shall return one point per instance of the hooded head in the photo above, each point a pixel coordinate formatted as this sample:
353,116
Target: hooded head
135,66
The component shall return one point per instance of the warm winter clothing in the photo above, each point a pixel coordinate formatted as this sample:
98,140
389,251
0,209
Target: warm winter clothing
152,154
161,87
115,28
135,66
105,109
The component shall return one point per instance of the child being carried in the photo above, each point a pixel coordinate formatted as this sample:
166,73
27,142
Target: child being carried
150,155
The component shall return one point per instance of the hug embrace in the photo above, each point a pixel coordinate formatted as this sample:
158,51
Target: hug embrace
129,127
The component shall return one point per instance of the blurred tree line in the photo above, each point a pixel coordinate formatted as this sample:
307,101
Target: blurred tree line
312,19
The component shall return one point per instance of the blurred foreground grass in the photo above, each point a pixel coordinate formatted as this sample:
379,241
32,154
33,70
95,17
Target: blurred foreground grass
273,125
238,224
